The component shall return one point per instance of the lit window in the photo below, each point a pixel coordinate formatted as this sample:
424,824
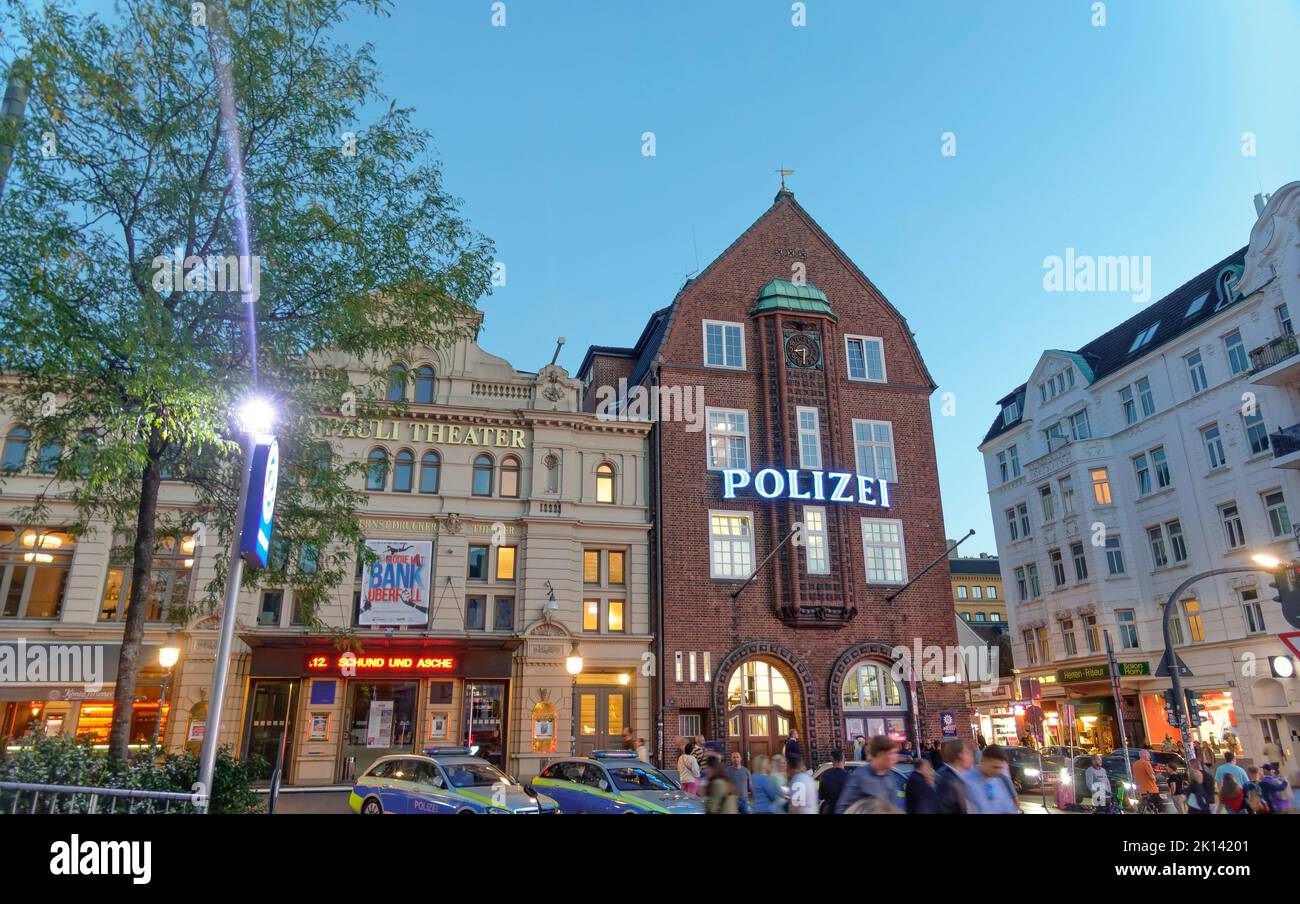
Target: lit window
728,438
814,520
614,616
591,616
1100,485
731,545
605,483
505,563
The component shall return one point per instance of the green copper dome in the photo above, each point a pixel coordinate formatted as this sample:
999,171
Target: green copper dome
784,295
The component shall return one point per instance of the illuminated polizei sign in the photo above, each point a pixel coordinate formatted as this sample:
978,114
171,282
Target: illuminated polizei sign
374,664
815,486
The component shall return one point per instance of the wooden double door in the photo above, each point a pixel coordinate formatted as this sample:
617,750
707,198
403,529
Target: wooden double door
602,713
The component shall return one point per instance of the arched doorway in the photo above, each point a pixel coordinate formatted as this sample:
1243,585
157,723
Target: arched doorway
873,703
762,703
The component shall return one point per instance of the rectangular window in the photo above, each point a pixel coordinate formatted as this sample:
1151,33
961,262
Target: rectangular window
962,591
1233,531
1013,526
591,615
1031,648
1080,561
873,447
728,438
505,563
503,615
682,720
475,613
724,344
169,582
977,592
1079,426
1195,626
1159,554
1067,637
1066,486
1044,651
1143,472
1129,405
1114,556
1284,320
1196,372
1058,567
810,438
1055,436
591,566
1177,543
1128,632
1100,485
690,665
1279,522
614,617
993,592
1014,455
1022,586
815,554
1145,397
1238,360
731,545
268,616
866,358
1256,432
1213,446
1025,527
1092,632
1161,467
1035,588
1003,472
1253,612
1045,497
615,557
882,541
478,563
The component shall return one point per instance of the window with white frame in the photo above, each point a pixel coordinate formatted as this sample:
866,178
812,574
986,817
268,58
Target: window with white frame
1100,485
1196,372
1279,521
1252,611
1022,585
731,544
814,536
1054,436
1114,556
1128,632
810,438
1080,428
1233,531
1058,567
866,358
977,592
1177,542
882,543
1066,487
1213,442
1142,470
728,438
1160,467
1159,551
1080,559
1128,403
1284,319
873,447
1067,637
1031,647
1045,497
1238,360
724,344
1256,431
962,591
1146,400
1035,587
1092,632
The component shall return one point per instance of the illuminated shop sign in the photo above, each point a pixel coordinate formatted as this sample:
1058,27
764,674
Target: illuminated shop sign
375,664
815,486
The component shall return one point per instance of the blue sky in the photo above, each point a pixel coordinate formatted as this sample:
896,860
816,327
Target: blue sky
1122,139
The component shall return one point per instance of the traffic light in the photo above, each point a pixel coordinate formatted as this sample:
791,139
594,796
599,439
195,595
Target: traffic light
1287,584
1196,713
1171,708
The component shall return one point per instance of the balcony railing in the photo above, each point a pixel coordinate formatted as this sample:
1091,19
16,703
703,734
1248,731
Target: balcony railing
1285,441
1272,353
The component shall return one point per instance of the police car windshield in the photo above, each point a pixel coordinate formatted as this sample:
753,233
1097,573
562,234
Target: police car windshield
471,775
641,778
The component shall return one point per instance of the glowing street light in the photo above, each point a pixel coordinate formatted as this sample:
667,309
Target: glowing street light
573,665
167,658
1264,560
257,416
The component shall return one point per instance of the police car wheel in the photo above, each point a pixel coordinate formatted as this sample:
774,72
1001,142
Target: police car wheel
371,807
466,813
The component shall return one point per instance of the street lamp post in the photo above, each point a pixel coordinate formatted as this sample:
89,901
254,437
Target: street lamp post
167,657
573,665
256,419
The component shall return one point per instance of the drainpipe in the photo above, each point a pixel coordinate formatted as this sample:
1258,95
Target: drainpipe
660,661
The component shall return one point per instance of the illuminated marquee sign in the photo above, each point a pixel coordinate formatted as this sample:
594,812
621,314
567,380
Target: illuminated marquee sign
386,664
815,486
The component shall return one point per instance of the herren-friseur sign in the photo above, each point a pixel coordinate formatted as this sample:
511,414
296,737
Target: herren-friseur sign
1100,672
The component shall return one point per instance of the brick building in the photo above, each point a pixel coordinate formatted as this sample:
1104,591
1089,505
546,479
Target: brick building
778,367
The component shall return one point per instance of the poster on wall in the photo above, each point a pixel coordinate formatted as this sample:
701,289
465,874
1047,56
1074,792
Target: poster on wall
948,724
395,587
853,729
379,728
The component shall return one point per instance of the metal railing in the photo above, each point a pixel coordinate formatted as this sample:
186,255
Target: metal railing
1274,352
23,797
1285,441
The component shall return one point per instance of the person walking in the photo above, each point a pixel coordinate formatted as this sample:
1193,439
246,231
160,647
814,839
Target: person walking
720,794
792,747
1231,798
875,779
739,776
781,775
989,787
919,792
766,793
688,769
1274,788
1200,799
1229,767
1098,782
949,786
803,790
832,782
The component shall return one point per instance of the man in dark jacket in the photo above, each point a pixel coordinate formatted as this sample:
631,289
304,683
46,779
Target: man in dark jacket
832,782
919,792
792,747
950,788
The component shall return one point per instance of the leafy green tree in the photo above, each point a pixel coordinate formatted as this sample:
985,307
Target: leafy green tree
175,129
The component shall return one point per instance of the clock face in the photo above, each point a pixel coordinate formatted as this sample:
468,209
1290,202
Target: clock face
802,350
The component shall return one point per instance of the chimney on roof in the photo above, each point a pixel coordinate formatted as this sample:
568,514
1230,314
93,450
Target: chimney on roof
952,553
1261,201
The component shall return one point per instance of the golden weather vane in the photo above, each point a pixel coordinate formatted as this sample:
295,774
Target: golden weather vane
784,172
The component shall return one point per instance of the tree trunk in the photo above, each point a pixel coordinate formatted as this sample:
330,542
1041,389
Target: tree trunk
128,667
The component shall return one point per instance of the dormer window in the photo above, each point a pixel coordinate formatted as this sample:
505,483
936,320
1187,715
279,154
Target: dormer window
1144,337
1011,413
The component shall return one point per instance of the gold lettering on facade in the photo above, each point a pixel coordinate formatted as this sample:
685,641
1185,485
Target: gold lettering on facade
435,433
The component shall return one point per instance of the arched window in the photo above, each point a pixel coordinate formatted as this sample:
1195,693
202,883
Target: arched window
870,686
430,469
404,471
759,683
424,385
509,477
48,461
15,454
397,383
605,482
482,485
377,471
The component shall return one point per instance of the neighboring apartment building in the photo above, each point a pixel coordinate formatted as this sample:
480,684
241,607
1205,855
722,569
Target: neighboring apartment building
817,427
977,593
1159,450
521,521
